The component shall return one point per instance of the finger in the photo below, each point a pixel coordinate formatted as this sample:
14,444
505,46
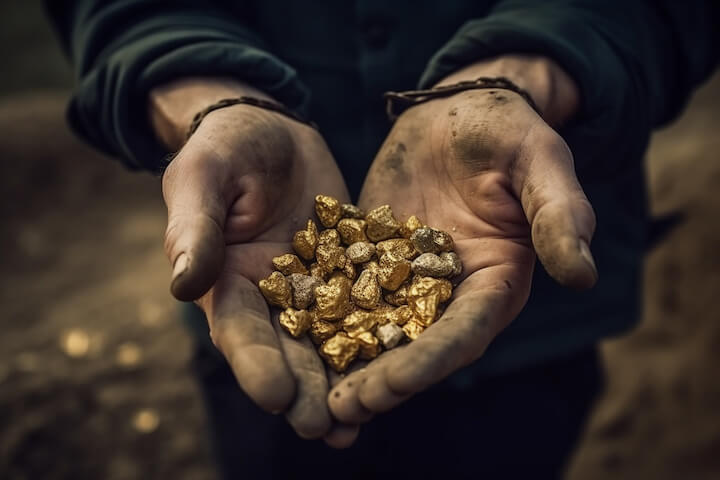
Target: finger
196,196
240,327
342,435
308,415
562,220
344,399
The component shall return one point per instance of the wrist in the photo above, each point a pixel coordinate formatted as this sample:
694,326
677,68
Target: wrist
553,90
172,106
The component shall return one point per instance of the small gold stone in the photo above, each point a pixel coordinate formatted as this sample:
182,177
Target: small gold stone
349,270
352,230
425,295
348,210
339,351
305,241
399,296
410,225
321,330
327,210
329,237
359,321
317,271
295,322
399,246
276,290
401,315
330,257
369,345
288,264
366,290
381,224
413,329
332,301
394,270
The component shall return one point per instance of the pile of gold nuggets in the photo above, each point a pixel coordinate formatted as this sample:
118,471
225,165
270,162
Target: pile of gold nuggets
363,284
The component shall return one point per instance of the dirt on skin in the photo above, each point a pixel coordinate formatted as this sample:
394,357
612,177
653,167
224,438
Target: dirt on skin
94,375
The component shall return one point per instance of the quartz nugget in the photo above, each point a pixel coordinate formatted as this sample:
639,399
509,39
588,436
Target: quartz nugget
452,259
276,290
381,224
430,240
328,210
339,350
390,335
303,289
360,252
305,241
431,265
295,322
348,210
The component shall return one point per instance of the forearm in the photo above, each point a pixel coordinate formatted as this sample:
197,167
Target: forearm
553,90
172,106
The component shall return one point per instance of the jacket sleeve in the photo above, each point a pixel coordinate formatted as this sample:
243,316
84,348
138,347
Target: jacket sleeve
635,62
121,49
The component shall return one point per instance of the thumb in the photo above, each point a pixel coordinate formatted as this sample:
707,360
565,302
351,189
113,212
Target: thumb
560,215
194,192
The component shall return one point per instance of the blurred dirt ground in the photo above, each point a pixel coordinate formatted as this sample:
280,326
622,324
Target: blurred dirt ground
94,378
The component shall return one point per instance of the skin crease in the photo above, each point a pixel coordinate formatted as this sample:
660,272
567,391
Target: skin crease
484,166
226,222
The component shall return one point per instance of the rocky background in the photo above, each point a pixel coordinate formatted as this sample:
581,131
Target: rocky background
94,378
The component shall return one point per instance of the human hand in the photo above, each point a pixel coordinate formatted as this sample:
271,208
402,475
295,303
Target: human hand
485,167
236,192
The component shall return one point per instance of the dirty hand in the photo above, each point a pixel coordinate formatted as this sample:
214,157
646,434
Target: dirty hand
485,167
236,192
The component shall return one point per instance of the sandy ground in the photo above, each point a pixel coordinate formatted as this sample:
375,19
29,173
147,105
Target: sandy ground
94,382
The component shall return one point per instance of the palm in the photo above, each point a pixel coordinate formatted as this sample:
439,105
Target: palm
481,166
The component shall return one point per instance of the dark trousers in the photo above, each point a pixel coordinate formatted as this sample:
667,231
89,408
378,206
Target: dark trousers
521,425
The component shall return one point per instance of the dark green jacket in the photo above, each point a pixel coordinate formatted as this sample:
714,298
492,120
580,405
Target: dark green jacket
636,63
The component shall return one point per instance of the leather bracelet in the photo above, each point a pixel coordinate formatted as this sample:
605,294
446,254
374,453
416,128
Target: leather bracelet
398,102
255,102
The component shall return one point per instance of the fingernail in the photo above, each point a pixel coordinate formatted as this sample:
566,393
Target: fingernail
585,253
181,266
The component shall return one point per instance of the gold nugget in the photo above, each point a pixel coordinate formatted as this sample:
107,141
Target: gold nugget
276,290
401,247
321,330
352,230
410,225
339,351
332,302
288,264
369,345
295,322
305,241
399,296
381,224
393,271
413,329
359,321
366,290
424,297
327,210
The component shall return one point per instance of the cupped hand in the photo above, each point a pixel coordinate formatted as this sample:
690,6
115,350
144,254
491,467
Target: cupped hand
236,192
485,167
